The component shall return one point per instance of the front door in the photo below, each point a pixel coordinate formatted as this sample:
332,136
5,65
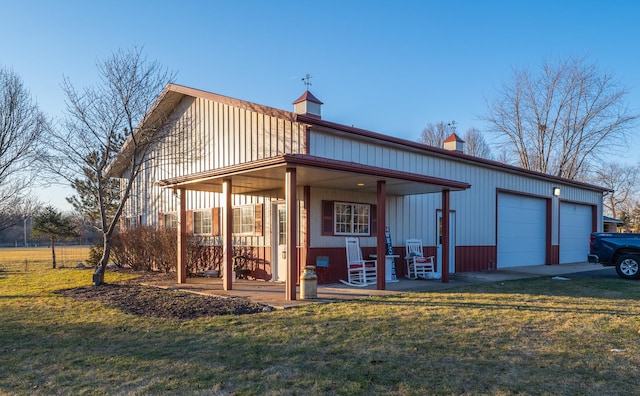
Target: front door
280,242
452,242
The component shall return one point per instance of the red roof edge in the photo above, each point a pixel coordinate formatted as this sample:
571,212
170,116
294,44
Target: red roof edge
453,138
307,95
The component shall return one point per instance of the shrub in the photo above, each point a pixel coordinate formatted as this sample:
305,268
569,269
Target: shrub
148,249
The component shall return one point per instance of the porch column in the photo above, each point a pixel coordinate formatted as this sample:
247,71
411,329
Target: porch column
381,250
445,235
227,237
292,233
181,267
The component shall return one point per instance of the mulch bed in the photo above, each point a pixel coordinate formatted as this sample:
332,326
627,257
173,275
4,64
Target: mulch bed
137,299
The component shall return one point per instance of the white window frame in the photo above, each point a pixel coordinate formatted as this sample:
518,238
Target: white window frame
244,220
170,221
351,218
130,222
202,222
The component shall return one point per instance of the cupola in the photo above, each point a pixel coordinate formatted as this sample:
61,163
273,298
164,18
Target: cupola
307,104
454,143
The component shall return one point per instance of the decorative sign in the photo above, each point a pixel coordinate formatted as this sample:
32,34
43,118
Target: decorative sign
387,237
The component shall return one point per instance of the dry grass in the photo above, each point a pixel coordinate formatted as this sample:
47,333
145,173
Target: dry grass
535,336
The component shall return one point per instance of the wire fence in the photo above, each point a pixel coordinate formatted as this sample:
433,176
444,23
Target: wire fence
72,256
66,256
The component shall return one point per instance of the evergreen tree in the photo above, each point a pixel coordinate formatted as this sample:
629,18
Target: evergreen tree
52,224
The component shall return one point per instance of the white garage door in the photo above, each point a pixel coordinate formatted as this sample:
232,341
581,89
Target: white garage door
522,230
575,229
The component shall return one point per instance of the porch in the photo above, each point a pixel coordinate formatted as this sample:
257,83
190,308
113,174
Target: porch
273,293
288,172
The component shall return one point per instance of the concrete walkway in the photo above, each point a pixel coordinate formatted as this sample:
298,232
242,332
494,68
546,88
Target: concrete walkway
273,293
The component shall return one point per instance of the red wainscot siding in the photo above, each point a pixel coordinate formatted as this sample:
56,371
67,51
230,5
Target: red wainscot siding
337,268
475,258
553,257
468,259
260,263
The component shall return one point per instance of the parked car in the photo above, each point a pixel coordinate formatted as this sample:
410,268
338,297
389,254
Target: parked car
621,250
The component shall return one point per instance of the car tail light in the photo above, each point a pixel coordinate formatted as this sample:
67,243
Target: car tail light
591,238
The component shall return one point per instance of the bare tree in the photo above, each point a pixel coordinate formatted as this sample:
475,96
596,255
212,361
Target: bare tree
561,119
435,134
476,145
22,130
101,120
622,180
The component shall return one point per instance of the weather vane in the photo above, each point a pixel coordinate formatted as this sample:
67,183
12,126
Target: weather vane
307,80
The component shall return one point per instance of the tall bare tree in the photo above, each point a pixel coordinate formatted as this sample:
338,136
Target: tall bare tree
559,120
101,119
474,144
435,134
23,128
622,180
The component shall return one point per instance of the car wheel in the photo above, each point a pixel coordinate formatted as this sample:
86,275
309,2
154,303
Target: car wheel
628,266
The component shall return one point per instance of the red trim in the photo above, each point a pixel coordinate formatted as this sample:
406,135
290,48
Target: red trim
441,151
453,138
380,237
308,96
549,230
243,104
446,243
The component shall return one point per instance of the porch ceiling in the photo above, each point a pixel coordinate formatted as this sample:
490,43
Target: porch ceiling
268,175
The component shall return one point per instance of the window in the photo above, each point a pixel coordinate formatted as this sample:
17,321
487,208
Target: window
130,222
170,221
351,218
244,220
202,222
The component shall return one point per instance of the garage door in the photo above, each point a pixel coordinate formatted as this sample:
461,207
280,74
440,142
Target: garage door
575,229
522,228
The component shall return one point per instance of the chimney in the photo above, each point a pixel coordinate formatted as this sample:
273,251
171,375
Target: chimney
307,104
454,143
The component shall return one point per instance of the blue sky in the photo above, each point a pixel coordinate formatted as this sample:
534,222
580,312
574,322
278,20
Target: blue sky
387,66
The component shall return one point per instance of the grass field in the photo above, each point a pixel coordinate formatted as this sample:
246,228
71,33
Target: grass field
534,336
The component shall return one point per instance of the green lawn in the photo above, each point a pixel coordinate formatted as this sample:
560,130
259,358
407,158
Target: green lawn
536,336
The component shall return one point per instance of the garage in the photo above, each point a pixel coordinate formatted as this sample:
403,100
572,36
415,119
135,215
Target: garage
522,230
575,228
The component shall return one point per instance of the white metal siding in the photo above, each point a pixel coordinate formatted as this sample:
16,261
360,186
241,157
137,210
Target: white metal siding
575,229
475,208
521,231
209,135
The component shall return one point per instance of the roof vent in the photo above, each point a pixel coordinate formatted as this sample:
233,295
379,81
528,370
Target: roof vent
307,104
454,143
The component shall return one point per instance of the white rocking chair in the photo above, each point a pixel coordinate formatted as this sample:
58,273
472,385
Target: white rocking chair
359,272
418,266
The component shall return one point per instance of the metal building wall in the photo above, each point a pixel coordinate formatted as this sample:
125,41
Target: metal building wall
208,135
415,216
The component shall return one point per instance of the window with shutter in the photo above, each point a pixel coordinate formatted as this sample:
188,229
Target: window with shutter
202,222
348,218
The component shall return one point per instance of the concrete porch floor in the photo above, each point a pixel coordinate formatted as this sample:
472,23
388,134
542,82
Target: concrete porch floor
273,293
